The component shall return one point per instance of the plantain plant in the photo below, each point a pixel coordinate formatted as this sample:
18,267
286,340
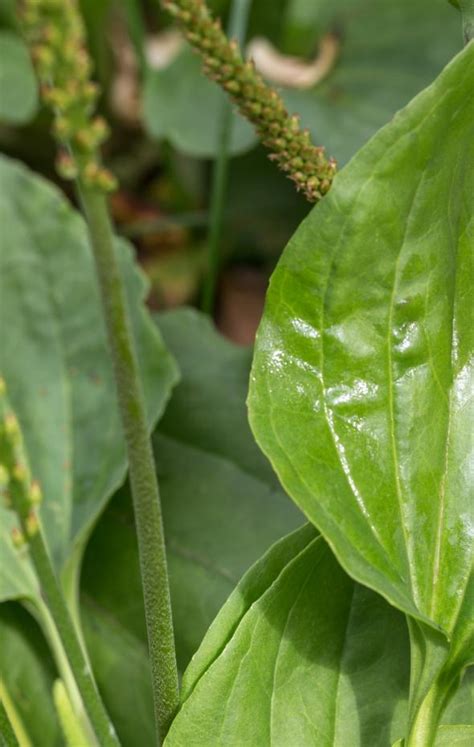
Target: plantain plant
356,628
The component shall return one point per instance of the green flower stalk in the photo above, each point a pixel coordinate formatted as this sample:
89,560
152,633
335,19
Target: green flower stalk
22,495
291,147
55,33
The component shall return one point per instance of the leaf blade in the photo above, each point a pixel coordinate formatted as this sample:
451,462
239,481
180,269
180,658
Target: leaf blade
353,373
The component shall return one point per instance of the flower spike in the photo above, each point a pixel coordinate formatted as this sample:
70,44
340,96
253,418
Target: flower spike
290,146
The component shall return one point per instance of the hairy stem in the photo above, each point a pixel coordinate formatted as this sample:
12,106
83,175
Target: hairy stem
146,499
237,29
290,146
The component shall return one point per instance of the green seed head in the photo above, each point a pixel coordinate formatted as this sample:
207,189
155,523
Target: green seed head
55,32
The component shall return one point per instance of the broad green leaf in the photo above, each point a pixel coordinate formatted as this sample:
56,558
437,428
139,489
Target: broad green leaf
301,656
389,52
55,361
18,88
27,675
222,508
361,379
182,105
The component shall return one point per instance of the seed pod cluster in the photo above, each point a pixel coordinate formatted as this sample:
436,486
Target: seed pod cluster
291,147
18,492
56,37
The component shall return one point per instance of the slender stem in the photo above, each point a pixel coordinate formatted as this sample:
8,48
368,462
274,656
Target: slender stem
237,29
145,493
7,735
218,200
136,28
51,591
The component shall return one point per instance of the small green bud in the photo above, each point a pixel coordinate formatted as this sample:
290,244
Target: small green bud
232,86
255,108
100,130
211,62
90,92
19,473
294,123
18,538
66,166
313,182
32,524
99,178
85,139
35,495
44,58
12,428
193,38
63,128
173,9
106,181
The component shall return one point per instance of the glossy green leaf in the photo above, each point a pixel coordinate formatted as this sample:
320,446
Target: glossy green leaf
300,663
300,655
18,88
297,657
360,385
182,105
54,359
222,508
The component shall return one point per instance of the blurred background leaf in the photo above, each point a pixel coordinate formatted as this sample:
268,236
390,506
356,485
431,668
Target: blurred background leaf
190,117
18,88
